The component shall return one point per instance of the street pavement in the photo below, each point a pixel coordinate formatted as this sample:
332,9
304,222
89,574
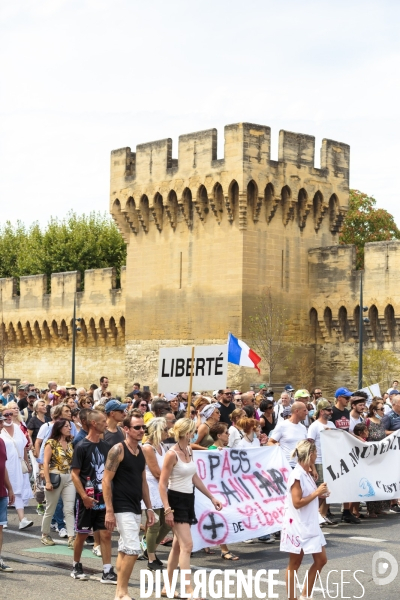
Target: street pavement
44,572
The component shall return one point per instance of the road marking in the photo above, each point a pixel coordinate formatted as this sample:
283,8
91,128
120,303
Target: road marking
31,535
367,539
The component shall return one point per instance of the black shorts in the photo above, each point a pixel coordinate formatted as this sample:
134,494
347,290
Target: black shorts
88,519
183,507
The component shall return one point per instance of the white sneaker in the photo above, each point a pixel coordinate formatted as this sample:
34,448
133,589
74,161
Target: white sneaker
54,527
96,551
25,523
249,541
62,532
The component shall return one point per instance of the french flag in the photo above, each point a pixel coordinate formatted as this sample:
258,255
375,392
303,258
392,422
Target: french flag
240,354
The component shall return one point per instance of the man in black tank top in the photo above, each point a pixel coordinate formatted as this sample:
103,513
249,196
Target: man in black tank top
124,486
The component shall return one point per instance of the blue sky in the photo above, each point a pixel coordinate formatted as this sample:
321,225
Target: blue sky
80,78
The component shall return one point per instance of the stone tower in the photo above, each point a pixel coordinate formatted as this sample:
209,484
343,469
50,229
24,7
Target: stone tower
206,236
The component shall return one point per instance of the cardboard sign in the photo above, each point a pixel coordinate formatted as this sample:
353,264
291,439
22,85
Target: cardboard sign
210,368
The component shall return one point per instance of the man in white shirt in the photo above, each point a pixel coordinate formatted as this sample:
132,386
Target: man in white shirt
283,402
324,411
101,391
288,433
357,404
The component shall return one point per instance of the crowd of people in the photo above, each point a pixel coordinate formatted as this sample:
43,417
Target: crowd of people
95,462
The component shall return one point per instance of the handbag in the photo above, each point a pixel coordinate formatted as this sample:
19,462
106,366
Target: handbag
55,480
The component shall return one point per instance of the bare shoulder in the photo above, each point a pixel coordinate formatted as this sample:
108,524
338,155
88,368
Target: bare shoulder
114,457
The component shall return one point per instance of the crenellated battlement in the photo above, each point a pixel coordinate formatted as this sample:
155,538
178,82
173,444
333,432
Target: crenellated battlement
33,317
149,185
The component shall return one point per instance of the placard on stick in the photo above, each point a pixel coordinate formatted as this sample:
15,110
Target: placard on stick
210,368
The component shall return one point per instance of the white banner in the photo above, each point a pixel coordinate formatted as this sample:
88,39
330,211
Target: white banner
250,483
357,471
210,368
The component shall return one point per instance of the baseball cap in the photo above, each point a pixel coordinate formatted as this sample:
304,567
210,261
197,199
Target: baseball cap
262,386
31,395
302,394
343,392
170,396
115,405
391,392
286,412
321,405
289,388
22,387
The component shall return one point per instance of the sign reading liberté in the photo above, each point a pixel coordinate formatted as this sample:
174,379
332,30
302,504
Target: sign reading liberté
210,368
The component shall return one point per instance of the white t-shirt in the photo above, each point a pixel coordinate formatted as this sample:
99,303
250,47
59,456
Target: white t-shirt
354,422
244,443
289,435
314,433
234,436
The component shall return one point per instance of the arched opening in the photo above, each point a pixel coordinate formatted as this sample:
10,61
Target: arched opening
37,334
318,210
64,330
334,214
187,204
271,202
390,322
122,328
328,320
28,333
374,321
143,212
46,332
233,201
202,206
313,326
287,204
302,208
120,220
172,208
83,335
356,317
113,329
343,323
131,215
158,211
92,330
218,201
252,200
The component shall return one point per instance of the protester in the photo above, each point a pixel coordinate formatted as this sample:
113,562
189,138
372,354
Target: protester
340,413
357,403
290,431
173,400
323,412
87,469
283,402
124,486
100,392
17,465
235,433
304,396
141,405
39,417
301,533
115,412
268,420
376,432
82,433
57,461
154,454
225,405
6,496
210,415
178,476
249,439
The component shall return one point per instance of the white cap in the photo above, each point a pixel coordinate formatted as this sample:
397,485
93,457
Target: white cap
170,396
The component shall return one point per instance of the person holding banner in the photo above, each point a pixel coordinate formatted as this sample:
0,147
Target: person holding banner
177,481
301,533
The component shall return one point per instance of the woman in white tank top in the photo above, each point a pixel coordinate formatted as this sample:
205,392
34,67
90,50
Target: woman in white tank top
177,482
154,453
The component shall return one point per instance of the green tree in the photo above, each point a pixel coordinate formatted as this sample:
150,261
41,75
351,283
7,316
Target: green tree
379,366
365,223
76,243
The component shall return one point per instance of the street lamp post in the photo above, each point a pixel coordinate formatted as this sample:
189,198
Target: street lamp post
75,320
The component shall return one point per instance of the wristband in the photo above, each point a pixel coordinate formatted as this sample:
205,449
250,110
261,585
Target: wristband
149,509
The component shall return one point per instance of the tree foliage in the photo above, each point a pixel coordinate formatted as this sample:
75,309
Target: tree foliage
379,366
76,243
364,223
267,327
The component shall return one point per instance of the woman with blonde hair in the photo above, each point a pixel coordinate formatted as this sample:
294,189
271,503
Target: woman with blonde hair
177,481
154,453
301,533
235,433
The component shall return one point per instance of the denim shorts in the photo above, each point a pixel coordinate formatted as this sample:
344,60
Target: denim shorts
3,510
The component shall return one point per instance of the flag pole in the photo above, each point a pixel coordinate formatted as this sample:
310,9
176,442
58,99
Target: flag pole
190,385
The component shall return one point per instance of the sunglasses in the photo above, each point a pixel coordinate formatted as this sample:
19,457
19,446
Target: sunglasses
8,414
328,409
145,405
88,402
72,395
138,427
269,407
